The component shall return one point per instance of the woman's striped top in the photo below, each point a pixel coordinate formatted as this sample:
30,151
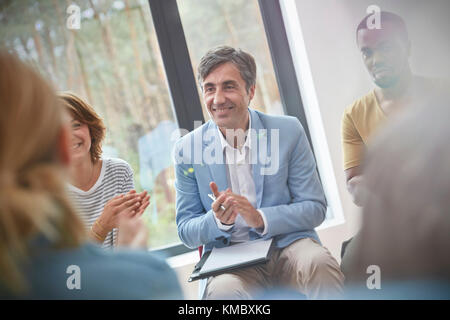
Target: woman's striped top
116,177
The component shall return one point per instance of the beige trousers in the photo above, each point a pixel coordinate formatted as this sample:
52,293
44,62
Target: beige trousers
304,266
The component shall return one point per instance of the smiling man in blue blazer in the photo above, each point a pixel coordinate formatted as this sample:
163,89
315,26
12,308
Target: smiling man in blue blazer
262,171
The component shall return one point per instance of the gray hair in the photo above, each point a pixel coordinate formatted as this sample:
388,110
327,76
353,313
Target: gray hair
222,54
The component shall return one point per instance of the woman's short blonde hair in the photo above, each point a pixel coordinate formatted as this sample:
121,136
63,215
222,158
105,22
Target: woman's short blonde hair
86,114
33,201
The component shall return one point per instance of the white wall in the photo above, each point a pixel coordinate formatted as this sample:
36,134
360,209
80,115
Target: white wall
339,76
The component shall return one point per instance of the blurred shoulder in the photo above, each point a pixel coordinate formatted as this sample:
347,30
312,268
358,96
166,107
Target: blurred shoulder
142,274
102,274
125,273
435,87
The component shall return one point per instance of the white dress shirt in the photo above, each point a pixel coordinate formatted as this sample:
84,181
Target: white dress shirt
240,178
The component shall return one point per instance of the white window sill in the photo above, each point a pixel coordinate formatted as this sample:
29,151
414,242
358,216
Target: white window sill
183,259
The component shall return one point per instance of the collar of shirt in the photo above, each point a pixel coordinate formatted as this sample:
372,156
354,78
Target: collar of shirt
248,139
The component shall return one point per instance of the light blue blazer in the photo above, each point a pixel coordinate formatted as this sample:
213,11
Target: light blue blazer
292,198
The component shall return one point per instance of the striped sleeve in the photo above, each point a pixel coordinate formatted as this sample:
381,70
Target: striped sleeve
128,182
116,178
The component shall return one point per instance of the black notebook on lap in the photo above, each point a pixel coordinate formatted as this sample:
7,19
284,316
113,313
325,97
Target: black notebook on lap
233,257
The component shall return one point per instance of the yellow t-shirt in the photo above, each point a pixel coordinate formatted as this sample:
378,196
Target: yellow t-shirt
361,119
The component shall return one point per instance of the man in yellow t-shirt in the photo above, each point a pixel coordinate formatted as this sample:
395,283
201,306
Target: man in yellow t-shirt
360,120
385,52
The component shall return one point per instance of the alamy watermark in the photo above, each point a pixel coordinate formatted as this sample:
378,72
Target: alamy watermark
374,280
73,21
74,280
374,20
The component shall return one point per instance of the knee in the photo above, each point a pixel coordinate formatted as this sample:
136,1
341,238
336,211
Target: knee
321,259
323,263
225,286
309,257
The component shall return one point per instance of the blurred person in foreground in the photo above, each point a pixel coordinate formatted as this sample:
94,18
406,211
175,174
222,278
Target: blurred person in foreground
406,221
385,52
102,189
44,250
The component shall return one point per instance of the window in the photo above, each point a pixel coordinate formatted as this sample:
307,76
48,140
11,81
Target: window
305,82
237,23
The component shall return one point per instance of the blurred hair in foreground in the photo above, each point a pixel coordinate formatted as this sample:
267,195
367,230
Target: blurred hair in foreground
406,218
32,199
42,239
